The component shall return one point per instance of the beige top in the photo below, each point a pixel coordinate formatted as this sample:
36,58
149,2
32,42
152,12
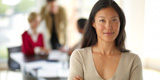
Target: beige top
82,64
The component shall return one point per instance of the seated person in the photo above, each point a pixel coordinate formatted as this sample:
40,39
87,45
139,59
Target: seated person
80,24
32,40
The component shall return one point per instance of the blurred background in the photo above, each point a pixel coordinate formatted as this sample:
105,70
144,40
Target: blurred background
142,28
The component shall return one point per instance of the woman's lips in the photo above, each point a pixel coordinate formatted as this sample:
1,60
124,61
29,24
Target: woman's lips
108,33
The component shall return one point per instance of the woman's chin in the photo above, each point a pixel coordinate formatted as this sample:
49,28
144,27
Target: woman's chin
109,39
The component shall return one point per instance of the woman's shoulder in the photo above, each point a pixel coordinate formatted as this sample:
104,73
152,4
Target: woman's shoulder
25,33
129,56
83,52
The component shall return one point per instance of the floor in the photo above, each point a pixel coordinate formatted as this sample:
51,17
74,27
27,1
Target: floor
10,75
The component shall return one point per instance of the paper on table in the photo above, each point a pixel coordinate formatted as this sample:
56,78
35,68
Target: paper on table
53,73
47,73
51,69
56,55
34,65
47,69
63,73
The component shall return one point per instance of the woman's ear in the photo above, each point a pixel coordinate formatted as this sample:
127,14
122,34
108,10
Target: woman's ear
93,24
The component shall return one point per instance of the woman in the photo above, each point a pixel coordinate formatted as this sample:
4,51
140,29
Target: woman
103,55
32,39
53,25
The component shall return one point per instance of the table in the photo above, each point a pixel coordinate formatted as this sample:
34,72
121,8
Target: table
47,67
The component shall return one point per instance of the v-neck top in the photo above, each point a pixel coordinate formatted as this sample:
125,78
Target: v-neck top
82,64
28,45
119,64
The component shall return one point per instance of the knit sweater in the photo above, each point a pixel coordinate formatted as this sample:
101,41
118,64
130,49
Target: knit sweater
82,64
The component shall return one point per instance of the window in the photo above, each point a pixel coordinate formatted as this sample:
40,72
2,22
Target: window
13,22
151,34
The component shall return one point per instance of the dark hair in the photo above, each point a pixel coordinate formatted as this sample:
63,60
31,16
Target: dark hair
50,0
90,36
81,23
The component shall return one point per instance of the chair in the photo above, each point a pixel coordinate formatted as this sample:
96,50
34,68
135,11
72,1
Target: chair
13,66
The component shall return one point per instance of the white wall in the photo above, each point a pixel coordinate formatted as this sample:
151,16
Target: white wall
134,11
39,4
152,37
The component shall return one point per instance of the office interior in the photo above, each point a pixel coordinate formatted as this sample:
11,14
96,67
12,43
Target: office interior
142,29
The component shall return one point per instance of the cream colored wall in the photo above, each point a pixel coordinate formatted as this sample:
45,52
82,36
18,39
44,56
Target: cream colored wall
39,4
134,11
151,37
139,18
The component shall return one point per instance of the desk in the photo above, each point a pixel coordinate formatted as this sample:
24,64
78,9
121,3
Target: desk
53,66
21,59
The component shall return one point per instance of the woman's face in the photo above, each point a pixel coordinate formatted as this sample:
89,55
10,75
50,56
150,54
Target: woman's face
53,7
107,24
35,23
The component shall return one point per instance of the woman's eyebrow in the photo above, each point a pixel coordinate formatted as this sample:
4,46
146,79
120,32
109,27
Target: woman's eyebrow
114,16
104,17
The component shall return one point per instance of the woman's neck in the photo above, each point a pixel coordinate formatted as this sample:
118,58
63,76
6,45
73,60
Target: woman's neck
106,48
34,31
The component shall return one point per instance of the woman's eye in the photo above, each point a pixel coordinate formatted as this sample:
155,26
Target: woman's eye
114,20
101,20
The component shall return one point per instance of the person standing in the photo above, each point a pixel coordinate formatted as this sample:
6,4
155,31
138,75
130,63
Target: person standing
53,25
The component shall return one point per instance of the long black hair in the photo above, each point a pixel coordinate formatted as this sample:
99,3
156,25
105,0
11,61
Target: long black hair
90,36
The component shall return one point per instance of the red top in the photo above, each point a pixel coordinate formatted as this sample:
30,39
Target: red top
29,45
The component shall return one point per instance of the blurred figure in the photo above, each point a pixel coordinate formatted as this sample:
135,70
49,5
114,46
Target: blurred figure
80,25
32,39
53,25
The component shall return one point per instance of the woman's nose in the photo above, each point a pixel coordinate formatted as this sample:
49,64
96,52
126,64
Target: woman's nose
108,26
